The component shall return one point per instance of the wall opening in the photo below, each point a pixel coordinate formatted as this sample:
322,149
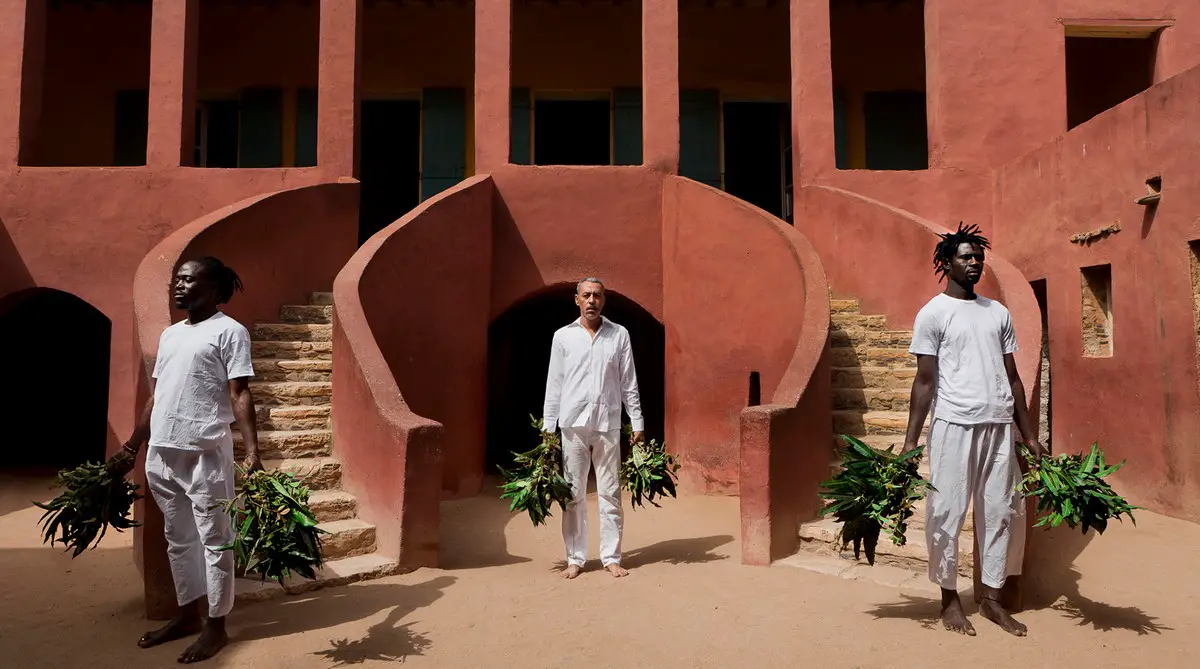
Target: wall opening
256,84
59,348
877,48
1103,72
519,358
1097,316
1045,397
735,88
95,80
754,396
576,77
1194,262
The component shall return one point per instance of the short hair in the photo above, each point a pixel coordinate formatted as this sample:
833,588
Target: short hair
947,248
226,280
590,279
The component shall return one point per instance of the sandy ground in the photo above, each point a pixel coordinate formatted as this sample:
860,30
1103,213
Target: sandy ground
1130,600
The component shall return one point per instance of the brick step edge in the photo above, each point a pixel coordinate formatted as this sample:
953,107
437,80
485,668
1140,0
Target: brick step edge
332,574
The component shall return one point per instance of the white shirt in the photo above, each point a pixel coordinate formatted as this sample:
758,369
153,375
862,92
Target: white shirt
192,407
589,378
970,339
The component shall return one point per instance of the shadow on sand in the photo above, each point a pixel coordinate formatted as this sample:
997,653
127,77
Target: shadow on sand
695,550
387,640
471,531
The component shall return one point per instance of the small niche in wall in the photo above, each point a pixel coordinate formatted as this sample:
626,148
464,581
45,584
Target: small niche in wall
1096,315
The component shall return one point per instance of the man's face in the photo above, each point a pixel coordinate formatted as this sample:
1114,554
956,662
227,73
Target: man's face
590,299
190,288
967,266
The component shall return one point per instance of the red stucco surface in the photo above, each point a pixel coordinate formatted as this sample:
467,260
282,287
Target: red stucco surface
1143,403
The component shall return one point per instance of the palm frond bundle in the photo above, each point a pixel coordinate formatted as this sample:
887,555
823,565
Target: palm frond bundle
276,533
93,500
1072,489
537,483
648,472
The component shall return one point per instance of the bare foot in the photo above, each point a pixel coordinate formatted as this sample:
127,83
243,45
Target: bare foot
616,570
212,639
571,571
953,616
992,610
185,624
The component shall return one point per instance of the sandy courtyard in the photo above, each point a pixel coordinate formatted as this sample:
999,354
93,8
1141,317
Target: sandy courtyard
687,603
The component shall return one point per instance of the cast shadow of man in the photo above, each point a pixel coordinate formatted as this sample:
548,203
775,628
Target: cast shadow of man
692,550
471,531
387,640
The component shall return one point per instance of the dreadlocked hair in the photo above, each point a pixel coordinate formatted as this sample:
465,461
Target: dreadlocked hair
226,280
946,249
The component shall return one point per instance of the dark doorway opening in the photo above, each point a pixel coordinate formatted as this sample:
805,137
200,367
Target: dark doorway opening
755,136
519,358
1045,398
1103,72
57,392
389,163
571,132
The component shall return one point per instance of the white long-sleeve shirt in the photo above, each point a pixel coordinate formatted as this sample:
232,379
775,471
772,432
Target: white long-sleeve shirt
589,379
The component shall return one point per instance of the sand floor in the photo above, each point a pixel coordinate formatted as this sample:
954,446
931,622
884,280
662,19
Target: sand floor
1130,599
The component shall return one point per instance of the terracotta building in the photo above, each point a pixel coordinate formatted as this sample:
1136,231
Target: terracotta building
410,188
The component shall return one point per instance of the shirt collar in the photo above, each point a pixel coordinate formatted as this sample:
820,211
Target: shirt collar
578,323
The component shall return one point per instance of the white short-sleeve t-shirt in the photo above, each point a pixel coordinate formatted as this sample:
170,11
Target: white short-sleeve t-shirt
970,339
195,363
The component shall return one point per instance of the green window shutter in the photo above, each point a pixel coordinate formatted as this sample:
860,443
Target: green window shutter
306,127
129,135
627,126
443,139
519,128
840,151
700,136
260,128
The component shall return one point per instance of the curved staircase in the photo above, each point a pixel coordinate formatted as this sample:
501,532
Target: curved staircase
872,380
293,395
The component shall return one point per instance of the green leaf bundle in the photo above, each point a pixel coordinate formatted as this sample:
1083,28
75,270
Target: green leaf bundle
94,499
1072,489
276,532
875,491
537,483
649,472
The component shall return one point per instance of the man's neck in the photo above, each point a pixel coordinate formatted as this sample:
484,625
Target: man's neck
958,291
201,314
591,326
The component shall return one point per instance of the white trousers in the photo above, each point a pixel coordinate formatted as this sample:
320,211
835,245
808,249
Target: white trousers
187,486
583,448
974,463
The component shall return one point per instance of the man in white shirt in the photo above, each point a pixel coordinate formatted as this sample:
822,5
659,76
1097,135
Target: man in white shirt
591,375
201,383
964,345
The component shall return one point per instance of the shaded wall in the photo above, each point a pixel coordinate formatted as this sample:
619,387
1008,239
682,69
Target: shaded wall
1142,402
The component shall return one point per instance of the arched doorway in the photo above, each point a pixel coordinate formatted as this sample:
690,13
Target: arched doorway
519,358
57,349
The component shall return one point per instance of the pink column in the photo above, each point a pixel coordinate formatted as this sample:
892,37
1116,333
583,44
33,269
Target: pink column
812,91
174,42
660,85
23,36
493,73
337,87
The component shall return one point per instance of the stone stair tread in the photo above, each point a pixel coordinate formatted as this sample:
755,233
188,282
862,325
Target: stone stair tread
332,505
347,525
843,306
318,473
333,573
347,537
321,299
306,314
291,350
291,332
270,434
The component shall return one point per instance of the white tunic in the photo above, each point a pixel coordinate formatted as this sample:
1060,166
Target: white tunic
589,379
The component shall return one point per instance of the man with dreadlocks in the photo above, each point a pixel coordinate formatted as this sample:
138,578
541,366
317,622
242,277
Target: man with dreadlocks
964,345
200,384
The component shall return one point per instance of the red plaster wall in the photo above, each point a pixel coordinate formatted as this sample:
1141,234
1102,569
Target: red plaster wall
268,44
743,51
1142,403
415,45
734,300
573,46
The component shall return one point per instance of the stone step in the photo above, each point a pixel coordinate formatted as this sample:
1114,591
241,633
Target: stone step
285,369
856,422
872,357
820,537
274,393
306,313
333,573
856,321
347,538
292,350
871,399
296,417
284,444
843,306
874,377
321,473
321,299
331,505
291,332
870,339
